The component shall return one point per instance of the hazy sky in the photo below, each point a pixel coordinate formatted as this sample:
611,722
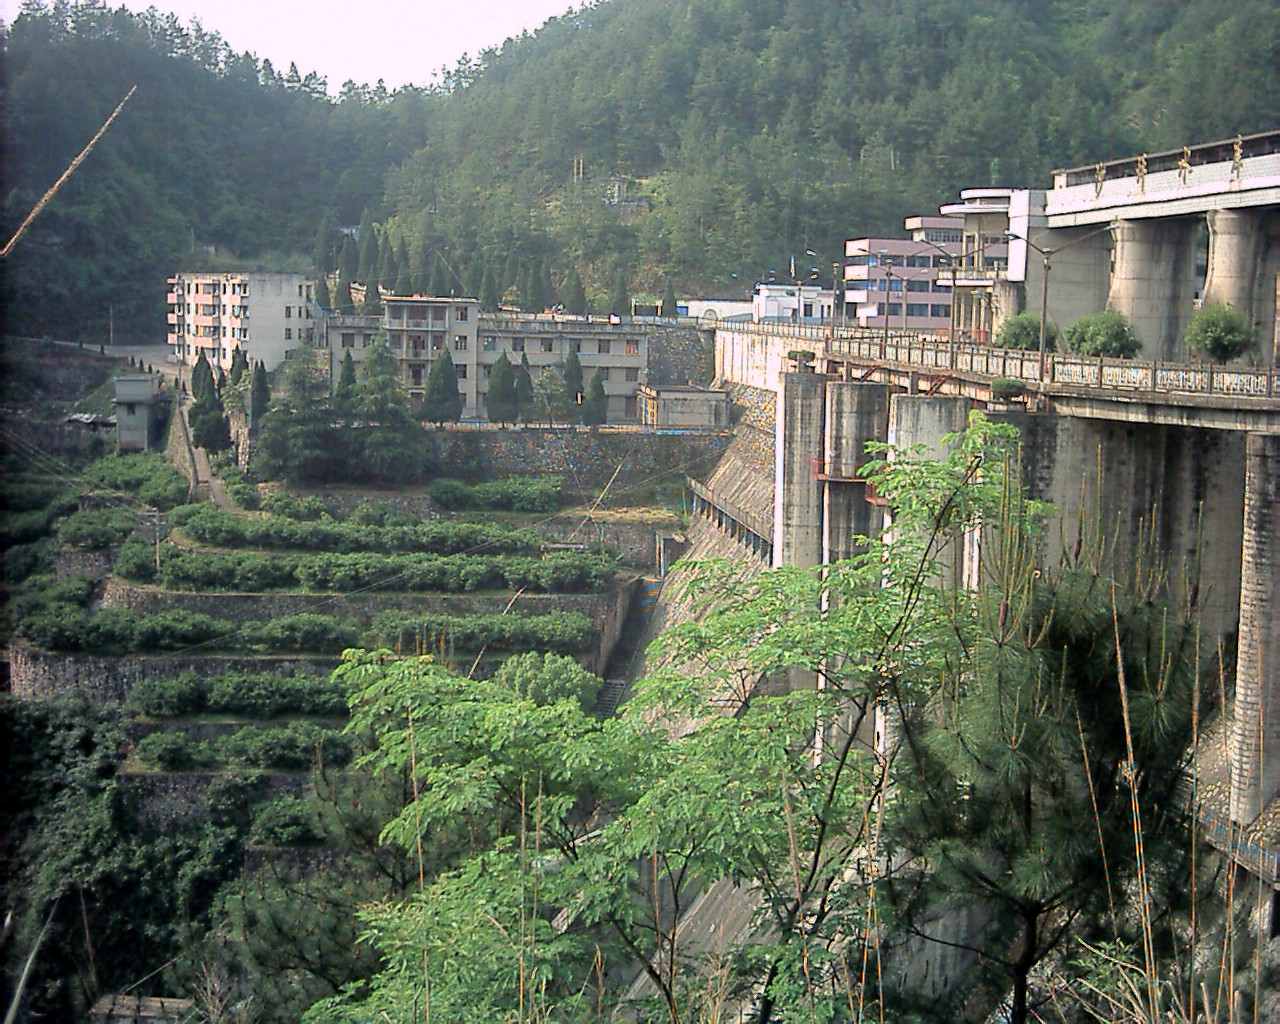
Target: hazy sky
399,41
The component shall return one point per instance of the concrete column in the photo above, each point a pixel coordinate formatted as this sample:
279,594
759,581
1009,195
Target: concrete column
856,413
1152,283
797,494
1235,250
1255,732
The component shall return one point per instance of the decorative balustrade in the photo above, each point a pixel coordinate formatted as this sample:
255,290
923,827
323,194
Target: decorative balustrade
928,352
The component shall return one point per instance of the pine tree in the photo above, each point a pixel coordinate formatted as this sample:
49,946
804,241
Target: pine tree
372,304
620,295
571,392
544,293
221,382
322,293
503,401
439,285
202,379
388,268
348,259
404,283
386,445
370,254
442,402
239,366
259,393
524,390
595,407
326,245
488,291
209,427
344,390
575,299
669,309
342,295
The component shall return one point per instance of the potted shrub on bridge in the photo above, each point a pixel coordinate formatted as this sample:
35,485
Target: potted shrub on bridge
1220,333
1106,334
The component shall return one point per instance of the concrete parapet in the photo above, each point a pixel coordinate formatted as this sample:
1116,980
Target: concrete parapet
1255,734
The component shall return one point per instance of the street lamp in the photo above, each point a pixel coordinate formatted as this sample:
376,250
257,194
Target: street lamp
1047,255
835,268
886,261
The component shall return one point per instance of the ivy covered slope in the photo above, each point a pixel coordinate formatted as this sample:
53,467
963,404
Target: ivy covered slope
749,130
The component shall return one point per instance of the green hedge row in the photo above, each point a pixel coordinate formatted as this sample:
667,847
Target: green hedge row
258,694
98,528
514,493
560,632
293,747
561,573
207,524
147,476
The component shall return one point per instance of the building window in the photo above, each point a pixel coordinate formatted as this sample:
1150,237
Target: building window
490,343
366,340
917,286
460,343
288,312
437,313
415,376
633,374
348,339
917,309
461,314
919,261
517,344
547,345
632,346
462,371
629,408
602,347
940,310
288,334
895,308
603,371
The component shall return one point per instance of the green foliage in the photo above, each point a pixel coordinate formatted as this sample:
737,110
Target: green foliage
239,367
575,297
525,398
209,427
172,752
442,401
1220,332
502,403
595,407
98,528
516,493
669,309
572,391
1106,334
297,442
620,294
145,476
1022,330
558,632
386,443
286,821
202,387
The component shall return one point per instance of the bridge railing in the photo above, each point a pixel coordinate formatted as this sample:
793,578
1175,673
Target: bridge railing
928,352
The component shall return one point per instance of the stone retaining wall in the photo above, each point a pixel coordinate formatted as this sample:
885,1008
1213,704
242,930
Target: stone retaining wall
83,562
166,800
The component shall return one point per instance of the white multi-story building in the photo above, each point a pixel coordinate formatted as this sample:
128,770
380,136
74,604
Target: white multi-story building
263,315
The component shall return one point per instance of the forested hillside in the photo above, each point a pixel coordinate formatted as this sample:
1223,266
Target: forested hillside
744,131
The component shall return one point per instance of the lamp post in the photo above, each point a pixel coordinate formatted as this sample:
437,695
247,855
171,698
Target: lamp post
1047,255
886,261
835,271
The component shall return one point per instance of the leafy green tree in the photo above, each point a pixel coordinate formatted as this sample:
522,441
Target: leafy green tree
526,402
1103,334
1022,330
1220,332
326,246
503,403
209,427
572,392
442,401
669,309
595,407
620,294
548,397
348,260
575,297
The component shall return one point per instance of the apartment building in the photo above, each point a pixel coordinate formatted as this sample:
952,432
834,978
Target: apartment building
417,327
908,282
264,315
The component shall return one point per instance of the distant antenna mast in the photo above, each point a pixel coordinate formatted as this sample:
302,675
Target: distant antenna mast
44,199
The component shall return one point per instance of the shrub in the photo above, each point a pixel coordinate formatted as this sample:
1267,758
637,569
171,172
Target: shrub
515,493
304,509
172,751
286,821
1219,332
24,527
547,678
293,747
266,694
162,698
1023,331
98,528
22,561
136,560
1103,334
305,632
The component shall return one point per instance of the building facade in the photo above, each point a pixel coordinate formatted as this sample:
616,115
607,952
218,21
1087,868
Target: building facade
417,328
911,283
264,315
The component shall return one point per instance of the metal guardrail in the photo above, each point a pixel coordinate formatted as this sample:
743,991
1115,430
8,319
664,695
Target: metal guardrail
1229,837
927,352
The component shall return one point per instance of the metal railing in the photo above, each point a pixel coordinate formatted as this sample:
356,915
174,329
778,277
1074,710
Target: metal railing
914,350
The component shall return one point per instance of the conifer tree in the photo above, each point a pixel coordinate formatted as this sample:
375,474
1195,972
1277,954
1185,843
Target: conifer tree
342,297
442,402
344,390
503,402
524,390
348,259
385,448
575,299
620,295
372,304
370,254
404,283
388,268
544,293
239,366
669,309
322,293
571,392
259,393
488,291
202,378
439,284
595,407
326,245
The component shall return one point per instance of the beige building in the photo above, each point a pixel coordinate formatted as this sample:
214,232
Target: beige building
683,407
264,315
417,327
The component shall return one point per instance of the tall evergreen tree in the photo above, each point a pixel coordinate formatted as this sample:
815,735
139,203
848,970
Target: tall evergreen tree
209,427
327,244
544,293
442,402
503,403
388,445
575,298
370,253
259,394
524,390
342,297
404,283
388,268
348,259
202,385
439,285
571,392
239,366
620,295
322,294
488,291
344,392
297,441
595,407
372,304
669,309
